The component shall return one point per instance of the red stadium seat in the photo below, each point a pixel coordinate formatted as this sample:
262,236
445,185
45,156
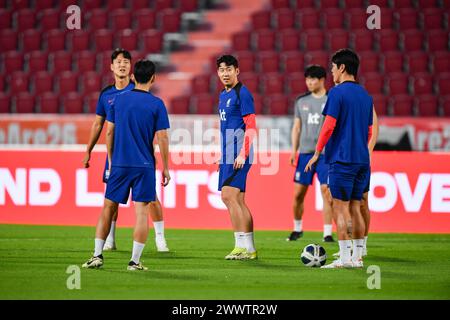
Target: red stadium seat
443,83
356,18
438,40
92,4
288,40
337,39
309,19
55,40
278,4
163,4
103,40
8,40
295,83
318,57
427,105
85,61
333,18
392,61
387,40
91,102
402,105
277,104
241,40
169,20
127,38
49,19
263,40
433,19
91,82
152,41
5,19
407,18
422,83
373,82
380,104
251,81
397,83
78,40
42,81
97,19
324,4
5,102
314,39
412,40
18,82
31,40
441,61
399,4
67,82
2,84
304,4
203,104
292,61
284,19
25,19
179,105
369,61
246,61
258,103
44,4
73,103
115,4
48,102
417,62
145,19
272,83
200,84
188,5
354,4
120,19
37,61
268,61
362,40
427,4
105,61
261,20
20,4
24,103
61,61
12,61
445,104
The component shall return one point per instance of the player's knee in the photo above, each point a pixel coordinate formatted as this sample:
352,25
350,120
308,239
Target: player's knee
228,198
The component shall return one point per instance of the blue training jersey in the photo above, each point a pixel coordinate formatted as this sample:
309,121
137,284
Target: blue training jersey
107,96
137,116
233,106
352,107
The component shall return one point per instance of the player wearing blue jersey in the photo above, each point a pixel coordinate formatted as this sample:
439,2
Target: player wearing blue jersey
238,127
346,132
120,66
135,118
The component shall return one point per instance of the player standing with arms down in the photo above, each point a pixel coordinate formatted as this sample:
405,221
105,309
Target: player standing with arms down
237,127
308,121
135,118
120,66
346,131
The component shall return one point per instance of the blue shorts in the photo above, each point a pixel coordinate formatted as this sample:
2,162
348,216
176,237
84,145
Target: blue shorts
367,188
229,177
306,178
347,181
141,181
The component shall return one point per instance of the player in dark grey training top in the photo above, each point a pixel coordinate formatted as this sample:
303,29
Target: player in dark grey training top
308,121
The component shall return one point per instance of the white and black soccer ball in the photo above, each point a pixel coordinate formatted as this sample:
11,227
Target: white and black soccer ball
313,255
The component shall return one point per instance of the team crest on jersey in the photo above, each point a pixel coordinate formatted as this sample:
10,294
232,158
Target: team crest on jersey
228,102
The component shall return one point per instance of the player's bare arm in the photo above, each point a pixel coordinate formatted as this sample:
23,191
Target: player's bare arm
295,140
96,130
163,142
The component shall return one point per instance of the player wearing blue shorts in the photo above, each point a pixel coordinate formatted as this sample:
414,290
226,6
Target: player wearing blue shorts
346,131
134,119
237,127
120,66
308,121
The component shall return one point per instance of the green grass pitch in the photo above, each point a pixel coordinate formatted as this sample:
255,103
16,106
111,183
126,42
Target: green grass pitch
34,260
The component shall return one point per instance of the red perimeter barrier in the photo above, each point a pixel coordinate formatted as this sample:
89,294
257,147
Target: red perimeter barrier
410,192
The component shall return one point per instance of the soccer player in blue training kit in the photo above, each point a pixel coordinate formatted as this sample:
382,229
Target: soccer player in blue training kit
237,128
308,121
135,118
346,131
120,66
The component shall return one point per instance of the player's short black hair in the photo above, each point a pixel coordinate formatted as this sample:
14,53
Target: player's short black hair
315,71
228,59
348,58
126,54
144,71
